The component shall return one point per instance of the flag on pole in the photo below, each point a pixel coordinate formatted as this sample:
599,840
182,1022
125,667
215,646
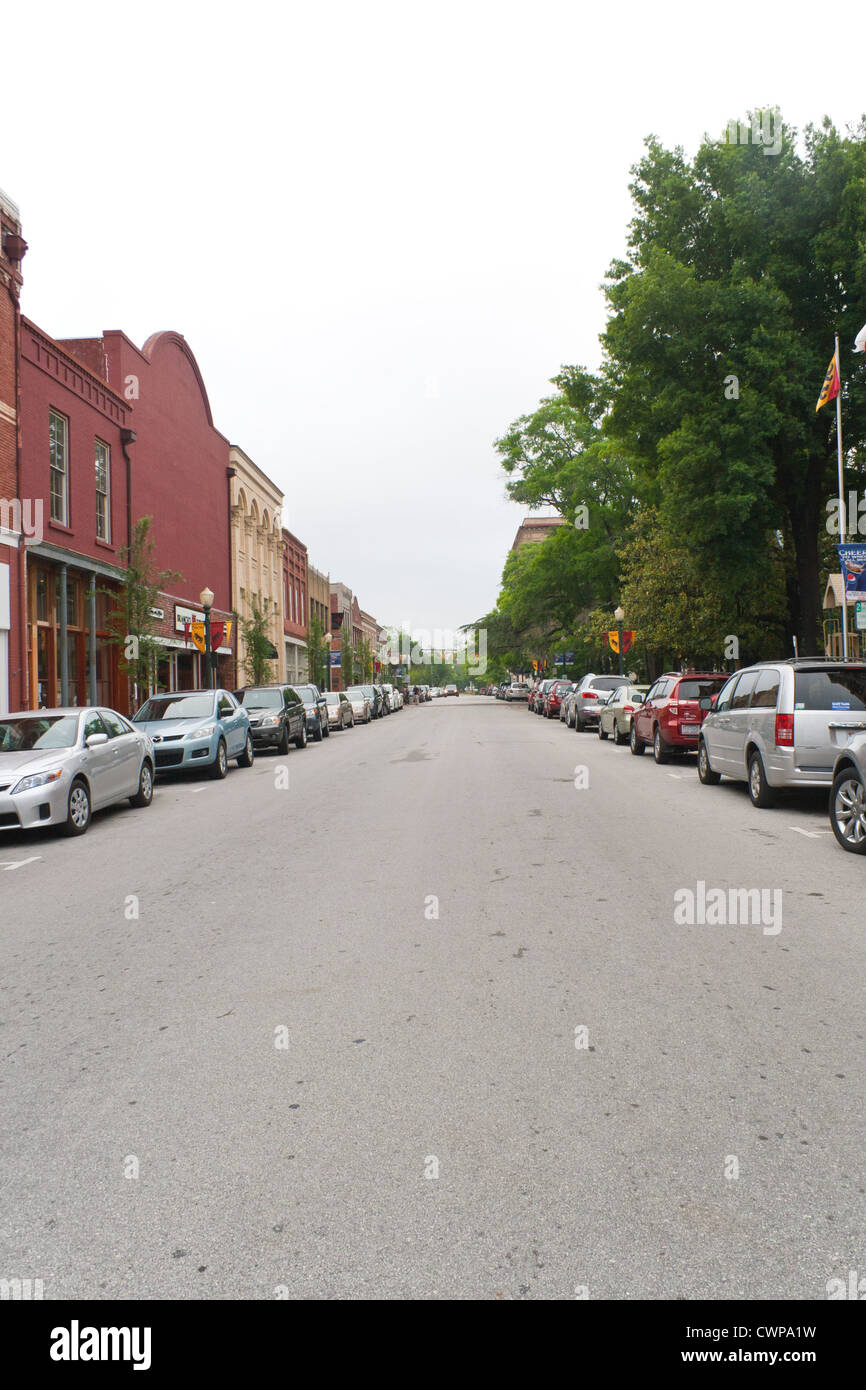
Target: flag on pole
830,389
860,340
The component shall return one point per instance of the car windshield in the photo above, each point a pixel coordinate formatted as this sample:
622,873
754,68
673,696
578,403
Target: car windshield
829,690
604,683
38,731
266,698
307,694
700,690
332,697
178,706
355,693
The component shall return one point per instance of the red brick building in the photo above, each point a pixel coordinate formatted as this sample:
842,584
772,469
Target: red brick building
295,608
74,465
180,478
12,652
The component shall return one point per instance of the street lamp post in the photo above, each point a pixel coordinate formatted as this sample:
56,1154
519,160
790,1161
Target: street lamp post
206,597
327,640
620,615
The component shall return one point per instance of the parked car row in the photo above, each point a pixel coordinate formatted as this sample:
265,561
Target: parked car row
58,766
776,725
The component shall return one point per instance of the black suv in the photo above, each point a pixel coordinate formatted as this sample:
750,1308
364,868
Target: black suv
316,707
276,714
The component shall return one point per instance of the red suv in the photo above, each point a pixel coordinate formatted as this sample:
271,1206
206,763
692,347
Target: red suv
670,717
554,697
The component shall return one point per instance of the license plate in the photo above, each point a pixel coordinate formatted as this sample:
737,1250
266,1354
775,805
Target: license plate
690,730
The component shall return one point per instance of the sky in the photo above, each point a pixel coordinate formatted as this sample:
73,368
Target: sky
381,227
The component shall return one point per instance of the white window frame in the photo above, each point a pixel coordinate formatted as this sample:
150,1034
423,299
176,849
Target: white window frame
97,445
54,470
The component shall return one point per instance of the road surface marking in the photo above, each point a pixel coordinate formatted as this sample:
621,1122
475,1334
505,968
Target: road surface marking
19,863
811,834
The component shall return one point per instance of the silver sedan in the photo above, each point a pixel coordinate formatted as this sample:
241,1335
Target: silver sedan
58,766
361,707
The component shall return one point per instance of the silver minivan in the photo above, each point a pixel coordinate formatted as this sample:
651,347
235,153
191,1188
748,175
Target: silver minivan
781,724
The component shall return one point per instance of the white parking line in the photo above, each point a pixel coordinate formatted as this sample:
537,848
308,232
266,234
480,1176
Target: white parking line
19,863
810,834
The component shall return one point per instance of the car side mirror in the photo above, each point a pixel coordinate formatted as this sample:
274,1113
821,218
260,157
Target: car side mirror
96,740
707,702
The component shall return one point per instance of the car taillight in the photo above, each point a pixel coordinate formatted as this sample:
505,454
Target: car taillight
589,695
784,729
628,709
673,708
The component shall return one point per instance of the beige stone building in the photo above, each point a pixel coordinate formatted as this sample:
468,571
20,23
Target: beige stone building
256,554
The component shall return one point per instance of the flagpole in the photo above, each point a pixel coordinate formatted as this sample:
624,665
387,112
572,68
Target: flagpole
842,518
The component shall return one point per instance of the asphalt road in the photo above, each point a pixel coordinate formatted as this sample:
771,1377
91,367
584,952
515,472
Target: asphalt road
433,1126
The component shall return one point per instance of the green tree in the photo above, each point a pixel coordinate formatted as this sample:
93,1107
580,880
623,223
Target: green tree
741,267
347,661
258,648
317,652
364,661
130,621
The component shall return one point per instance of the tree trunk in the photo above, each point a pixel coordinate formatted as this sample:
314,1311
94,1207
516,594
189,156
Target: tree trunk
805,514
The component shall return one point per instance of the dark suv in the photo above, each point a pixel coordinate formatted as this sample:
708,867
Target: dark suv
276,714
670,717
316,707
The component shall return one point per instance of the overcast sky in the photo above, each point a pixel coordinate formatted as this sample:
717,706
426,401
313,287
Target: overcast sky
381,227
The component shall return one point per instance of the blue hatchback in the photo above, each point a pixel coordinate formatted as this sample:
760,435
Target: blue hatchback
196,728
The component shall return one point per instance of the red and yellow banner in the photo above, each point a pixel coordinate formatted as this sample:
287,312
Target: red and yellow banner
219,633
830,389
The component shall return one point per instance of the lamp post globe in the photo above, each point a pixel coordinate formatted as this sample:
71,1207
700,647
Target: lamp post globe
206,598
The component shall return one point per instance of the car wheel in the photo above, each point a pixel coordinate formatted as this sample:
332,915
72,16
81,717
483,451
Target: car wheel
220,765
283,745
579,724
144,795
762,795
636,744
848,811
705,772
602,732
246,758
77,808
318,735
617,736
660,750
301,740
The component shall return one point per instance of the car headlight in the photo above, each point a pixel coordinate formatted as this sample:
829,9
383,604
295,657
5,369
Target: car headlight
204,732
38,779
271,719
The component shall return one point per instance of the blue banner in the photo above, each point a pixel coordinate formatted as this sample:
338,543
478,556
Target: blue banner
336,658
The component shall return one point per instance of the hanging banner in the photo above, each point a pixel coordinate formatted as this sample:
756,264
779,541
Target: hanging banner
852,562
627,639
